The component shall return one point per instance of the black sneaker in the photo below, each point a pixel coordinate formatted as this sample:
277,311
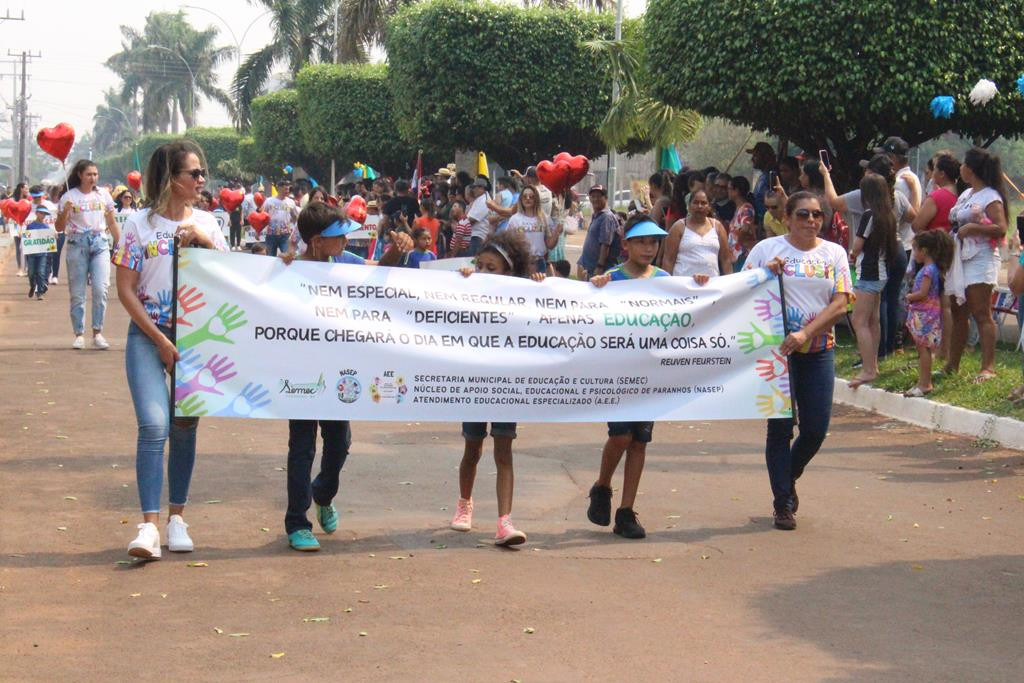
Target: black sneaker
784,519
600,510
627,525
794,500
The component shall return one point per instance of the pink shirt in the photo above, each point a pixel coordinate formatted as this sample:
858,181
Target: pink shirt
944,201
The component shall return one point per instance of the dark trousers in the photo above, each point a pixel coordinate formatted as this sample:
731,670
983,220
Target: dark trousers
55,256
235,234
812,379
301,452
892,309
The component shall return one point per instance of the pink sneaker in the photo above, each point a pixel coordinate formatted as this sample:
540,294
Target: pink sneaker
508,534
463,519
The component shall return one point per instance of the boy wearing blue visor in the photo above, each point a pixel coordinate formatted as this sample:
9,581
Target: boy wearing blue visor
642,239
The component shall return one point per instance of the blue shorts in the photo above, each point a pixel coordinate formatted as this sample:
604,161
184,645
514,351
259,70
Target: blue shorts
477,431
642,432
870,286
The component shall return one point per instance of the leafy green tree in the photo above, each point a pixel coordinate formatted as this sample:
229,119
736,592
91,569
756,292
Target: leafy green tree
277,142
842,75
345,113
115,123
516,83
170,66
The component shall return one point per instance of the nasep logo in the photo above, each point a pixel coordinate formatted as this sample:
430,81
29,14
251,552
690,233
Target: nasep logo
349,387
303,389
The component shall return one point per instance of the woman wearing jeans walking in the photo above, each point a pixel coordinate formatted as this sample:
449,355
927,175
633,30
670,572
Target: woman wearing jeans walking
145,257
818,288
85,211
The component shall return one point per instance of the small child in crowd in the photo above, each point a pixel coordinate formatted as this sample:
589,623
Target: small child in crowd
428,221
642,240
38,264
323,228
422,239
461,231
933,253
506,253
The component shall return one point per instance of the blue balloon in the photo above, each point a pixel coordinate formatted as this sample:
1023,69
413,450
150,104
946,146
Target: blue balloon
288,168
1020,85
358,173
942,106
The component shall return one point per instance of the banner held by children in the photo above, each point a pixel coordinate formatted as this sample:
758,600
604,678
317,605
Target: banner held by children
262,339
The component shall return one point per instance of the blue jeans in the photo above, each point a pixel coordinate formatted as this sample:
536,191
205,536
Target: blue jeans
893,308
147,382
301,452
38,268
812,379
88,257
474,246
276,243
55,256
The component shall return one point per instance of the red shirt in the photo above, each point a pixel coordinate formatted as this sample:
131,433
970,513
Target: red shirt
431,225
944,201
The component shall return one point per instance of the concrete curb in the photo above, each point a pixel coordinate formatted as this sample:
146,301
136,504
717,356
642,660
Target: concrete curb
940,417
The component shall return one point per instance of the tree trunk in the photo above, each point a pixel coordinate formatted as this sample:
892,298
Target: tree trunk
174,117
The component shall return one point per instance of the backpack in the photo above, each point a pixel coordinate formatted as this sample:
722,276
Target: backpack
837,231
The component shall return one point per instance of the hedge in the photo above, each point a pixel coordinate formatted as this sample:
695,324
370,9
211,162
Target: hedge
516,83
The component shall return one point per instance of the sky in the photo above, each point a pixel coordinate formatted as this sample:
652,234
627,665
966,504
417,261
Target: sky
75,37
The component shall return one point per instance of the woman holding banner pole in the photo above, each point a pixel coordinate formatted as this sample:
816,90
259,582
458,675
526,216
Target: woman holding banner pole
145,259
816,289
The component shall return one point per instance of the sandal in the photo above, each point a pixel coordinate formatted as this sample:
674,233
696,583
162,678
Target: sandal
916,392
857,381
983,377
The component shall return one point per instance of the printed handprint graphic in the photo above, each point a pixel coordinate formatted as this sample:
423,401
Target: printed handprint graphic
189,364
768,309
772,368
188,302
776,404
757,339
759,276
218,369
227,319
251,399
193,406
160,310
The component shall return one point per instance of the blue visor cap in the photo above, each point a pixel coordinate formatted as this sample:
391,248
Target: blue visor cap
340,228
645,229
43,210
37,194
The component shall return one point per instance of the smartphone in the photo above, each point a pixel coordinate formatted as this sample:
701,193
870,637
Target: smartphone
823,155
1020,228
772,177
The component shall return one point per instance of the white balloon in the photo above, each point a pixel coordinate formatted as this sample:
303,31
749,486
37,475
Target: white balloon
983,92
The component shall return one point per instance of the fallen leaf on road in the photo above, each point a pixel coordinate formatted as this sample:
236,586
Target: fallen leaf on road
380,586
673,516
347,610
917,567
62,528
218,631
197,564
276,655
135,595
264,529
238,635
163,595
397,557
889,518
123,562
70,498
440,547
705,557
986,518
363,634
316,620
60,436
528,630
656,560
364,601
916,525
405,483
476,580
214,501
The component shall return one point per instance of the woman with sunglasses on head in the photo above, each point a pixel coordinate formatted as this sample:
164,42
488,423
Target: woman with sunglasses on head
86,210
817,288
145,257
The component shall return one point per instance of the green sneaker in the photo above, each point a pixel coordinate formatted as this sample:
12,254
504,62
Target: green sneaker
327,515
303,540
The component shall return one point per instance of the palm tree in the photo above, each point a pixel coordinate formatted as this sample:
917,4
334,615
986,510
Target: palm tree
115,122
171,65
636,119
303,34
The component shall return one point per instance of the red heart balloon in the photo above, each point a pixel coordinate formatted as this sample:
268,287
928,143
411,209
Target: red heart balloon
4,205
19,211
57,141
231,199
356,209
134,179
579,166
258,199
259,220
555,176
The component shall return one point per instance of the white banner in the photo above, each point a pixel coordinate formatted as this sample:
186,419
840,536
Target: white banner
329,341
39,241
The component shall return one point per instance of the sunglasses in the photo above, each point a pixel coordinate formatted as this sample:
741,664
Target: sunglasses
196,173
804,214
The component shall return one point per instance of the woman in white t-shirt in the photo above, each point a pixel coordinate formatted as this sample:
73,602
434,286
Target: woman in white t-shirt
979,219
86,213
697,244
144,258
817,289
536,227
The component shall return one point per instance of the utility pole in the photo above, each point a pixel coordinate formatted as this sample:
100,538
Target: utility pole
23,112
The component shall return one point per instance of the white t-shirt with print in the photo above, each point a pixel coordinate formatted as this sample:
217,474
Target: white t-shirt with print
971,207
147,247
534,230
810,280
283,214
478,213
88,212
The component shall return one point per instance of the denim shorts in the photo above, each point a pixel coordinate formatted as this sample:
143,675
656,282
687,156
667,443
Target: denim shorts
477,431
870,286
642,432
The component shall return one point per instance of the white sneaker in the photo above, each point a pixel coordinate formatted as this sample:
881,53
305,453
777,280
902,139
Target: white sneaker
21,273
147,544
79,342
53,280
177,536
99,342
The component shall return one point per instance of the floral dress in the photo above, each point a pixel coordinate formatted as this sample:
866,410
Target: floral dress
924,318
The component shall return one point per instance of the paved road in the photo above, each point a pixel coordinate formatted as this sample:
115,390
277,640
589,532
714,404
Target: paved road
907,564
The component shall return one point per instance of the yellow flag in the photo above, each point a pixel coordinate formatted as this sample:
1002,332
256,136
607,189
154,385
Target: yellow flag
273,190
481,165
